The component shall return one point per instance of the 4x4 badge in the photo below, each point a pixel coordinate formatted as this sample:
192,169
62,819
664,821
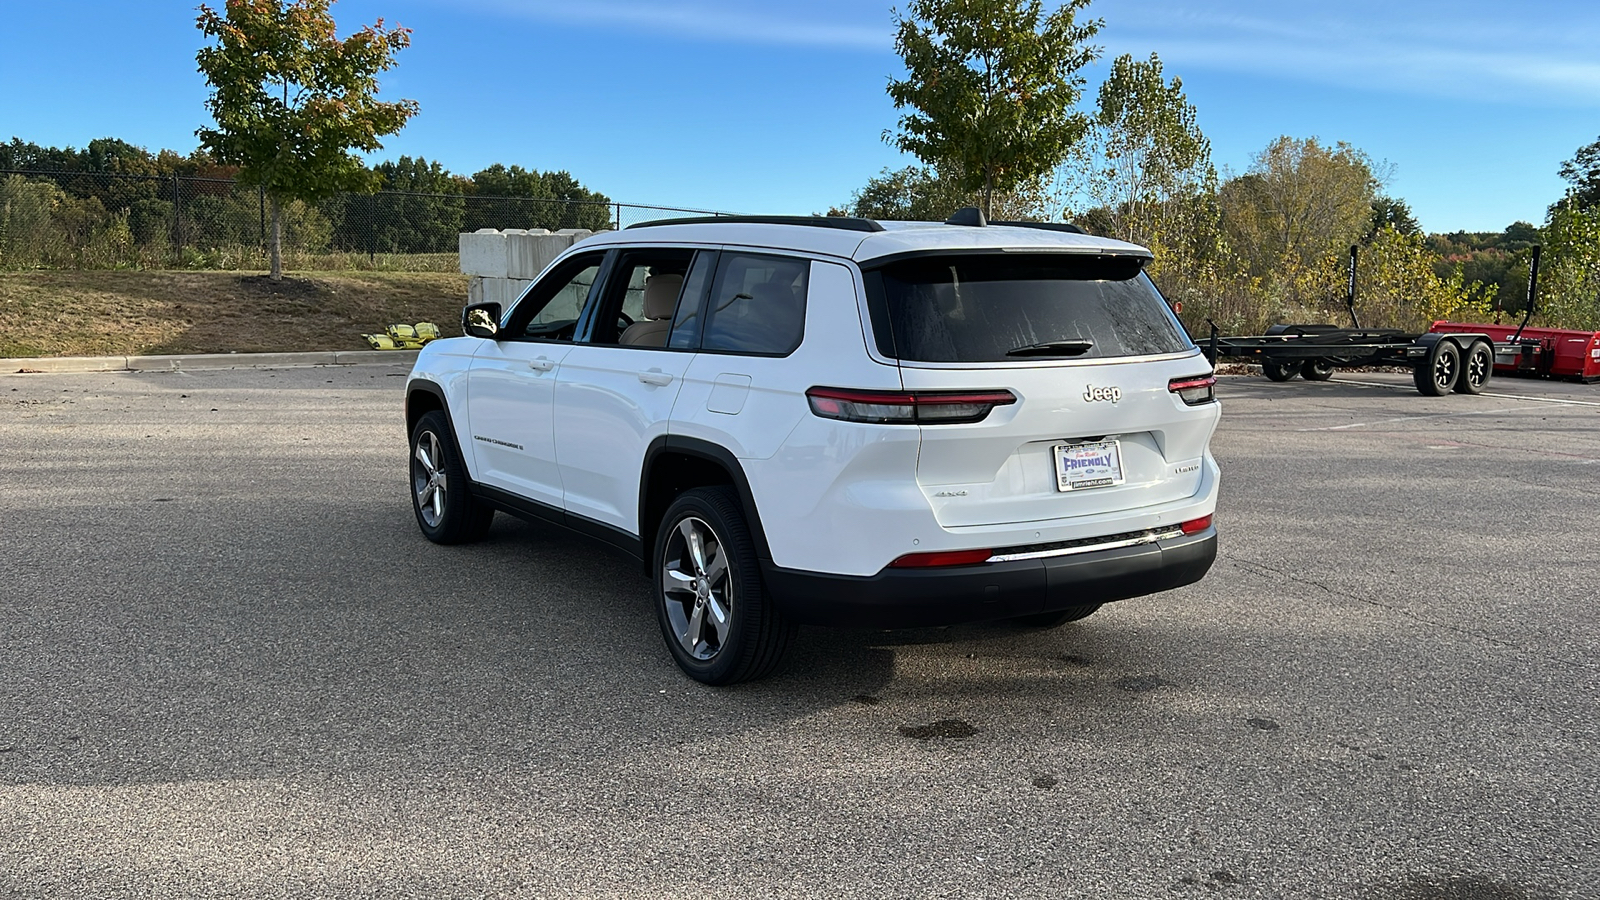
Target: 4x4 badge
1092,394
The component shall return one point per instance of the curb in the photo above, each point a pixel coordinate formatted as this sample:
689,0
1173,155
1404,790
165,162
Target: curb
80,364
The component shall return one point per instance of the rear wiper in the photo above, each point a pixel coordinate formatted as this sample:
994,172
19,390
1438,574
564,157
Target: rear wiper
1054,348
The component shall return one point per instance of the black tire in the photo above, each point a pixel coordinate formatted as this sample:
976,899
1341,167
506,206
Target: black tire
1477,367
1316,370
441,495
755,639
1059,617
1279,369
1438,374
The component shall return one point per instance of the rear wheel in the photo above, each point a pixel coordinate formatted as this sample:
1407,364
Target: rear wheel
1438,373
1316,370
1059,617
1476,368
1279,370
446,511
710,601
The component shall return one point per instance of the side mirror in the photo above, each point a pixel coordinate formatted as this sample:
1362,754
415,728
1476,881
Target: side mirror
481,320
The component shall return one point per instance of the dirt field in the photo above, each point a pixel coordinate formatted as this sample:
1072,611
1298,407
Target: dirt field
96,313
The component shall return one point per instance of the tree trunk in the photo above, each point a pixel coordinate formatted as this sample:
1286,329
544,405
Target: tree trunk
277,241
988,195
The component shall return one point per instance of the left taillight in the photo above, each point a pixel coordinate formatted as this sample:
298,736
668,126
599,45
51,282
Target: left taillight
906,407
1194,391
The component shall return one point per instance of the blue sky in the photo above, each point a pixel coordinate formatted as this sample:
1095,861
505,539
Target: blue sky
779,105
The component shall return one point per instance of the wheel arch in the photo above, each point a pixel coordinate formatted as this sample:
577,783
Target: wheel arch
423,397
674,464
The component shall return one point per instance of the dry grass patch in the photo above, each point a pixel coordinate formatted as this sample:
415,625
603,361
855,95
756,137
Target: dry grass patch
138,313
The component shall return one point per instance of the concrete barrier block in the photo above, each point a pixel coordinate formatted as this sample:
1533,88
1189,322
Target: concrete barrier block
484,253
524,249
527,255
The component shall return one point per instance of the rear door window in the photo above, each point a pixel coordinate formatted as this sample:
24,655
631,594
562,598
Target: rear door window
758,305
1014,307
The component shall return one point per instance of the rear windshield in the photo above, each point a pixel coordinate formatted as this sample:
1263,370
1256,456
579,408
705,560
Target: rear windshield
1012,307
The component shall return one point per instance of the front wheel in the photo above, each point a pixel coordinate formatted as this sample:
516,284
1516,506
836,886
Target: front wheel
1279,370
710,602
1059,617
446,511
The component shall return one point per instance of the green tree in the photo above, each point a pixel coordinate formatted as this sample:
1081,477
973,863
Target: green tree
1569,289
1388,212
422,208
918,194
1582,171
1299,203
515,197
291,100
1147,150
992,88
1398,285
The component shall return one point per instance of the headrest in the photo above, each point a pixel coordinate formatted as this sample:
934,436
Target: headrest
661,295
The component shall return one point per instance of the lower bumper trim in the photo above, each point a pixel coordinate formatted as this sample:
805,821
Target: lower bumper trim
909,598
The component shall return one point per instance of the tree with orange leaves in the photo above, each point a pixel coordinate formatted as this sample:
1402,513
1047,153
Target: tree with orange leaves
291,100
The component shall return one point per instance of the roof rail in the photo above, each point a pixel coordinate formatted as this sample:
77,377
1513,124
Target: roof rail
838,223
1066,227
973,217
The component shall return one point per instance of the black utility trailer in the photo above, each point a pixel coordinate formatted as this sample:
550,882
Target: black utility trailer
1439,363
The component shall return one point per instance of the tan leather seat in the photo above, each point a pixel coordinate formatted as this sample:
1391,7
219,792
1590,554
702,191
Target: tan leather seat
660,299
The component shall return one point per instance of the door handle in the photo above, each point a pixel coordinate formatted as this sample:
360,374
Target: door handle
541,364
656,377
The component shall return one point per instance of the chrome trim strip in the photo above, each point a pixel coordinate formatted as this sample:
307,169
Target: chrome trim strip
1147,538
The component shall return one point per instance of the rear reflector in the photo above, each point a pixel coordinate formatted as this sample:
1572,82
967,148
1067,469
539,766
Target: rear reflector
906,407
1194,391
939,560
1195,526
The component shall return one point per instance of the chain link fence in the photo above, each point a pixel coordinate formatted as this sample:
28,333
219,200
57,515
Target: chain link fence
102,220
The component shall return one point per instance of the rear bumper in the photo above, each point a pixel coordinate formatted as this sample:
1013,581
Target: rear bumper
910,598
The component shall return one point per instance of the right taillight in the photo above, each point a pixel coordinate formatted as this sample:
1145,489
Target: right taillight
1195,391
906,407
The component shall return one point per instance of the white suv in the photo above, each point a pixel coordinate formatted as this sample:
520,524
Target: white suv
834,421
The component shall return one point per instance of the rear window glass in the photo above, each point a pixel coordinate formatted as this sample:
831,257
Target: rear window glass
992,308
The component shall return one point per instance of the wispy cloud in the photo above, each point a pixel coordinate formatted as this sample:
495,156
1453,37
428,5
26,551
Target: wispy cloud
837,25
1543,56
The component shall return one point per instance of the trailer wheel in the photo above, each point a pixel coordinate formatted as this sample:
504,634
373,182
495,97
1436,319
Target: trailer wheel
1476,368
1279,370
1438,374
1316,370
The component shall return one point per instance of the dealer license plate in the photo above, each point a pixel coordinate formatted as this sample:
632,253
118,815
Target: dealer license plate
1083,466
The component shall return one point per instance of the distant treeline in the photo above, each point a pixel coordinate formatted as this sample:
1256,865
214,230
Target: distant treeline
114,204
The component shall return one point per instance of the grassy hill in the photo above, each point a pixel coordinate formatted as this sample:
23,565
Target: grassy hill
141,313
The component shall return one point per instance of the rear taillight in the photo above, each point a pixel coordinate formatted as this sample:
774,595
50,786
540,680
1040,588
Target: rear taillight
941,559
1195,526
906,407
1194,391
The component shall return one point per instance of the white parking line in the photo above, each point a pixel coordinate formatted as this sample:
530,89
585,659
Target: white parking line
1448,415
1406,387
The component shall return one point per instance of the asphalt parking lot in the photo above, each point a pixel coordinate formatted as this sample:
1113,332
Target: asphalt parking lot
231,667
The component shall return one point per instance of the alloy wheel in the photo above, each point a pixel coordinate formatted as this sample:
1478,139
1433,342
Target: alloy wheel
428,479
697,589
